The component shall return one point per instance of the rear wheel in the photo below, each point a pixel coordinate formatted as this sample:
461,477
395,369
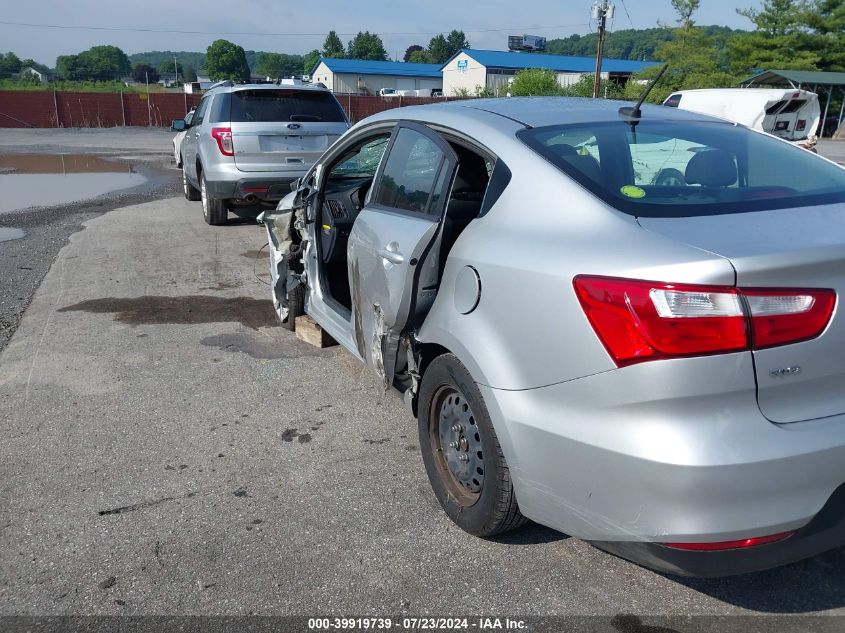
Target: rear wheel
214,211
462,455
670,178
190,191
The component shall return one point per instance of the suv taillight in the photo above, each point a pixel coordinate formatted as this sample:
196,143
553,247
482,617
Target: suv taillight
223,136
642,320
800,125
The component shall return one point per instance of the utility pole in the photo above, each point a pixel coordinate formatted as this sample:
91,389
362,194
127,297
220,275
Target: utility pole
602,10
176,68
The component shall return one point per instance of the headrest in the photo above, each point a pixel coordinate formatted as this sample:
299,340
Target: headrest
711,168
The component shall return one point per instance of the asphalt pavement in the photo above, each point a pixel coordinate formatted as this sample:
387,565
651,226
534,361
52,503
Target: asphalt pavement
167,448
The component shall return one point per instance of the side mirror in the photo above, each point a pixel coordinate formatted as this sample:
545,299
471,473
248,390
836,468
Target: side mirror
178,125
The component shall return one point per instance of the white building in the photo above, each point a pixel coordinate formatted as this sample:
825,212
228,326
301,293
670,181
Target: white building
359,76
471,69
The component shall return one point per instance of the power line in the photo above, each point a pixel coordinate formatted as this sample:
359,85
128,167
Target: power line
628,14
264,34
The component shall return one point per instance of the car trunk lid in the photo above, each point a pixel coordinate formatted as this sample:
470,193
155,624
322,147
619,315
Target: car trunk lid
786,248
283,129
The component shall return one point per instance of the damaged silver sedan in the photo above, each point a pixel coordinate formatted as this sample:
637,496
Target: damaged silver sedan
651,364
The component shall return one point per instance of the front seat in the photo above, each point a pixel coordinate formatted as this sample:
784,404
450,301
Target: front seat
711,168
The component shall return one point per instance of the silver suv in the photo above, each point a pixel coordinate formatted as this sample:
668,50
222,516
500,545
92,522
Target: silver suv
247,143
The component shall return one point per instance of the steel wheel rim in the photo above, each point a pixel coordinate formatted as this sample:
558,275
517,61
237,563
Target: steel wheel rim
456,444
184,182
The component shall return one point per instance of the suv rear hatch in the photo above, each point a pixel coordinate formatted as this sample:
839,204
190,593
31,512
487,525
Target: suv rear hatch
784,248
283,129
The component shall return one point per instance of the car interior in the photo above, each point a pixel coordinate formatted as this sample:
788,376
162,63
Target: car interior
345,192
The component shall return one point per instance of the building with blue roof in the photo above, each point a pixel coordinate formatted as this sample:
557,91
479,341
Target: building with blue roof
470,69
361,76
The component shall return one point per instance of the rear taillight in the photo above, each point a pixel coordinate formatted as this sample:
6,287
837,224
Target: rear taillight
726,545
642,320
223,136
801,125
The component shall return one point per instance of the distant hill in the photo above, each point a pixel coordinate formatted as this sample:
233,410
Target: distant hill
636,44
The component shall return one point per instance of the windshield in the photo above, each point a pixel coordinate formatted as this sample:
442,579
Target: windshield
684,168
284,105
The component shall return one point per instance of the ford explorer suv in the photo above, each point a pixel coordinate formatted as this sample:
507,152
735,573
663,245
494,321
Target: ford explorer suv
247,143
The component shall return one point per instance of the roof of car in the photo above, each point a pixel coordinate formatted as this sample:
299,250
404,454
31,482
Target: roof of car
543,111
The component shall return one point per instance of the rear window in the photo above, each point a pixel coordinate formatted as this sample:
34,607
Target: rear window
673,101
683,168
264,106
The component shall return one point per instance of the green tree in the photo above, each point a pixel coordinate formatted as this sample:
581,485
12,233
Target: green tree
441,48
419,57
826,18
226,60
168,67
438,50
456,40
309,60
685,9
106,63
9,64
140,72
366,45
780,40
99,63
534,82
413,48
333,46
278,65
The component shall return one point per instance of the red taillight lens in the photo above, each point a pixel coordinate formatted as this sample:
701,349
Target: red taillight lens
642,320
223,136
723,545
800,125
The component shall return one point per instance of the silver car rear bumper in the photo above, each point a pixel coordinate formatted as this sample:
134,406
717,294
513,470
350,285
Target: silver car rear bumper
667,451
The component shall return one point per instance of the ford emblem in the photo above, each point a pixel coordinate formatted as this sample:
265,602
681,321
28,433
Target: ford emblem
294,126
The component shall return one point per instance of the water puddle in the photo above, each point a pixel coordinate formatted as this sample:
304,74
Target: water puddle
7,234
43,180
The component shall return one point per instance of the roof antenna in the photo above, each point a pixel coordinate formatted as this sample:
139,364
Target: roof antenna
633,115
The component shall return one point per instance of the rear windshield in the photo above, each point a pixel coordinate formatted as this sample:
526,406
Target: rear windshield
284,105
683,168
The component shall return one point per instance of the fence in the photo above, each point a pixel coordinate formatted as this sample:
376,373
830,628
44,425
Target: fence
45,109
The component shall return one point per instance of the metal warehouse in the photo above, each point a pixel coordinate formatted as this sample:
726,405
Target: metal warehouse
364,77
470,69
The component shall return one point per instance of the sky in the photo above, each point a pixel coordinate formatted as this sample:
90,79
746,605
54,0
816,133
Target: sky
297,27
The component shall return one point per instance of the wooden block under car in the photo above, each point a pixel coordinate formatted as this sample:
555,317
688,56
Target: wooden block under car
311,333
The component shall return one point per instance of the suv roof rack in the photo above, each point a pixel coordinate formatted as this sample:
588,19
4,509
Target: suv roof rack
228,83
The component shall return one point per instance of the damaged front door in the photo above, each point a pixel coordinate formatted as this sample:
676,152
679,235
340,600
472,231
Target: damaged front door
392,252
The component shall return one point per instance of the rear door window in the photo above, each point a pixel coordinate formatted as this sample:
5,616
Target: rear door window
266,105
409,181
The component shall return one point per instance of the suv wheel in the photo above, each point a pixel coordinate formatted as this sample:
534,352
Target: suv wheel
461,452
214,211
190,191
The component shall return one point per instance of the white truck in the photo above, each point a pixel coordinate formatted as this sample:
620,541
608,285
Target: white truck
790,114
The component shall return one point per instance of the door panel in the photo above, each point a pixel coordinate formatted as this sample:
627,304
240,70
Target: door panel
393,239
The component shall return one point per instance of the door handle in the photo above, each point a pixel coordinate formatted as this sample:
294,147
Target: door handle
391,253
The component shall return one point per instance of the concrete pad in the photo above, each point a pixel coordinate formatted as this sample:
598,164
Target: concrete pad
168,449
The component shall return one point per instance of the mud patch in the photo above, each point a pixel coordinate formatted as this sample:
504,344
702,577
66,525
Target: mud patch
252,254
190,310
263,347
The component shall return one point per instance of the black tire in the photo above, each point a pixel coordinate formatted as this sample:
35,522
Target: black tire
214,210
191,192
670,178
492,508
296,307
